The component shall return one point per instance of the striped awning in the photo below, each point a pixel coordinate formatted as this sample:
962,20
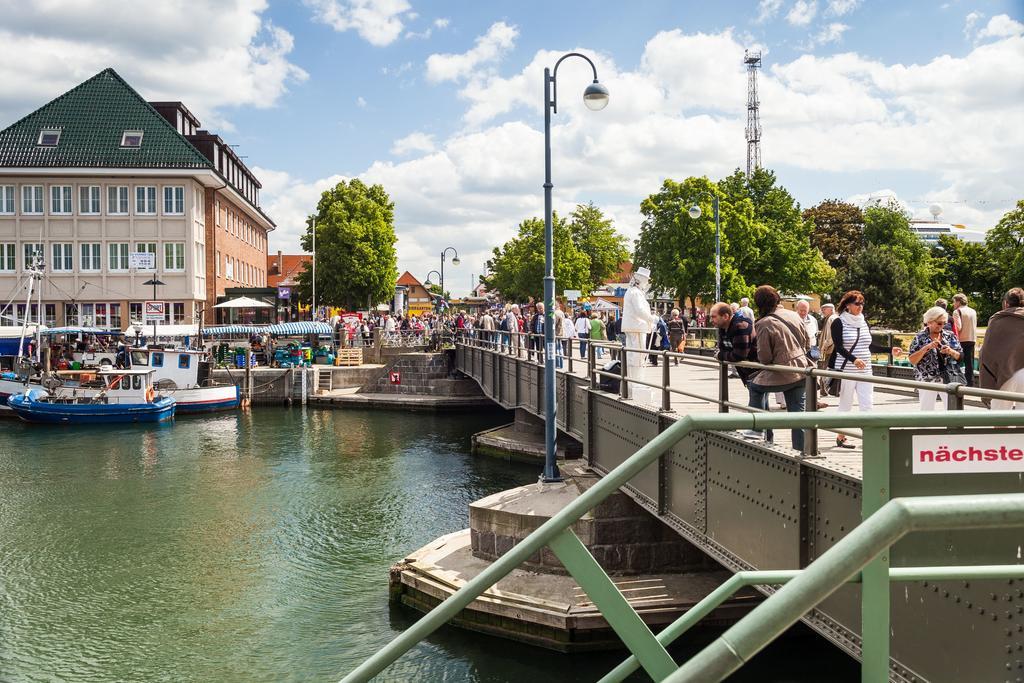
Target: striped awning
302,327
232,330
74,329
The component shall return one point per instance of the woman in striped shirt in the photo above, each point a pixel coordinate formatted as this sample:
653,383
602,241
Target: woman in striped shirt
852,354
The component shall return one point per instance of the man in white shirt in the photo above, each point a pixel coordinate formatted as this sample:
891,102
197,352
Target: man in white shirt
745,310
583,332
965,320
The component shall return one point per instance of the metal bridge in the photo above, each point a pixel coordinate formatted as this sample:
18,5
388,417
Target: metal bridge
762,509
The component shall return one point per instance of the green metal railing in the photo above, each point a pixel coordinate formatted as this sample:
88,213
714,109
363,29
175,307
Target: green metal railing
861,550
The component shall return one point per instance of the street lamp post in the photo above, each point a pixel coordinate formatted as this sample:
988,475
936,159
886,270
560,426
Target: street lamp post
455,262
595,97
430,284
695,213
153,282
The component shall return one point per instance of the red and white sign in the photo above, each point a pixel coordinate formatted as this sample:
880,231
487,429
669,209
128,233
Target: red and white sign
396,377
968,453
154,311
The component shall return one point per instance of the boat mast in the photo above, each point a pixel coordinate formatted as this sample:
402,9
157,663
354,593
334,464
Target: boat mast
35,273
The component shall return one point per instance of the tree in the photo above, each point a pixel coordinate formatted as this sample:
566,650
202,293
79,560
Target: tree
355,246
888,227
595,236
891,295
516,269
838,231
967,267
1005,243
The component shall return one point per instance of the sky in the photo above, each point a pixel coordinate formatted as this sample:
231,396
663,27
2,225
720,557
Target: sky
442,102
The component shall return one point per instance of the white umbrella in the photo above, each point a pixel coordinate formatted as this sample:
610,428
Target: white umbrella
244,302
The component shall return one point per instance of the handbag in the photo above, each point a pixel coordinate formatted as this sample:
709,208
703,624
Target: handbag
952,373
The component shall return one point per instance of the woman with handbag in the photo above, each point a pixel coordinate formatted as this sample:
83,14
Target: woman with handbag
851,337
935,353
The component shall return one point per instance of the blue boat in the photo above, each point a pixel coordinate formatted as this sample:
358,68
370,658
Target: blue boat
124,396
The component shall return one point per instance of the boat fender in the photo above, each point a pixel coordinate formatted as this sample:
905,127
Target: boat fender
149,394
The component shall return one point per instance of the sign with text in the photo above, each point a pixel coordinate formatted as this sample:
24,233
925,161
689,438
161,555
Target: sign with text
284,292
572,294
968,453
154,312
143,260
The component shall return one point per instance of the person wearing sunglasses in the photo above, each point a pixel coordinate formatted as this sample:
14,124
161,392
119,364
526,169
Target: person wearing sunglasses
851,336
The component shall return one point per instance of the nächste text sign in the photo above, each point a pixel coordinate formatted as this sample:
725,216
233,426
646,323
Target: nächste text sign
968,453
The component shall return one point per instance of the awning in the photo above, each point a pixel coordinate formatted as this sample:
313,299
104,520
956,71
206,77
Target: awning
232,330
602,305
146,330
302,327
15,331
75,329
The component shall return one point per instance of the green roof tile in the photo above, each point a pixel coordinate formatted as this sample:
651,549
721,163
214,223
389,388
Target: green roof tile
92,118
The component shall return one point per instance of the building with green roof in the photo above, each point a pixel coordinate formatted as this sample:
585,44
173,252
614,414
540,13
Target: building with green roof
114,191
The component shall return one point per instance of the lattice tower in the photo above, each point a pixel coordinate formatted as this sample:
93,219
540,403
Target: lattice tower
753,62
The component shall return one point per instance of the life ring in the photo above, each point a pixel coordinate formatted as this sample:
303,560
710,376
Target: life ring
149,394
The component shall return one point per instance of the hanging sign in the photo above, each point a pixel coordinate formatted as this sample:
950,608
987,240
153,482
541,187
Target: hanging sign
154,311
395,377
968,453
284,292
142,260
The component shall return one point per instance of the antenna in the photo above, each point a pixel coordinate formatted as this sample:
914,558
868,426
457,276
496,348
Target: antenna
753,62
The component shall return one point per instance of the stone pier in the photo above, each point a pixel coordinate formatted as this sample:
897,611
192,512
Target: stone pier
523,441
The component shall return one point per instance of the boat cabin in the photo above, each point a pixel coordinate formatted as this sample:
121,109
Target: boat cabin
105,385
178,368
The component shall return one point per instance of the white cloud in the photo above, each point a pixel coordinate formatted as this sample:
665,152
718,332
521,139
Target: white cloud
950,121
441,22
838,8
830,33
234,56
378,22
970,22
361,102
1001,26
396,70
490,47
802,12
289,201
413,142
767,9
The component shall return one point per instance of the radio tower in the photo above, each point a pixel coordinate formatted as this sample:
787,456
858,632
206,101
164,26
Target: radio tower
753,62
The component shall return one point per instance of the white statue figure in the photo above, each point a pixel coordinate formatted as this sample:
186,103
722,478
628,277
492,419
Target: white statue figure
637,319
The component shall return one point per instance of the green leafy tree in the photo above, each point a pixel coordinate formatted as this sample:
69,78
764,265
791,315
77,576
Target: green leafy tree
680,251
516,268
595,236
967,267
1005,243
890,293
355,247
838,231
888,227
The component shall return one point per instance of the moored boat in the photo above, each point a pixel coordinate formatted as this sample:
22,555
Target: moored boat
123,396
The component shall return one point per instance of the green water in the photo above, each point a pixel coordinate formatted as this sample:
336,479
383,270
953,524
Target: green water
254,547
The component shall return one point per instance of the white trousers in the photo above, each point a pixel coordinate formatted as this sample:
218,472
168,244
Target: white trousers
863,390
635,340
928,399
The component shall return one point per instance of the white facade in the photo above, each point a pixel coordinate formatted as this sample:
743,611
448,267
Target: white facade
86,226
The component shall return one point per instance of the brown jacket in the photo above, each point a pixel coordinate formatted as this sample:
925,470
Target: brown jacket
781,340
1002,354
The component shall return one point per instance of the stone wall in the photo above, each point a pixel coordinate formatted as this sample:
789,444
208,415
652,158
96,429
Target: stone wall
423,374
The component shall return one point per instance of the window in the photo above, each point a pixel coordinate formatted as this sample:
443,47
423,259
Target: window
89,199
135,312
19,314
147,248
60,199
174,200
117,200
32,199
8,256
179,314
132,139
117,256
90,257
136,382
156,359
174,256
100,313
31,249
217,264
7,199
63,259
50,314
48,137
145,199
216,212
71,314
229,268
184,360
86,314
115,316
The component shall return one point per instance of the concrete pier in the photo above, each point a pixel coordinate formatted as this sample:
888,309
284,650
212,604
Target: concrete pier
523,441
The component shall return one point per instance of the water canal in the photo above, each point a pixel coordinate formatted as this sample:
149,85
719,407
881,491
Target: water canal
255,547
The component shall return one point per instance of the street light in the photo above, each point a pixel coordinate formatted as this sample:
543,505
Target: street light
695,213
455,262
595,97
153,282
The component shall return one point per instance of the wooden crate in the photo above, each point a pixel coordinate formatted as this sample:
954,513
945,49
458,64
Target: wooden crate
348,357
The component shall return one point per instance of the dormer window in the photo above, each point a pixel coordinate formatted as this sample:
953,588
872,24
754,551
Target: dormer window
132,138
48,137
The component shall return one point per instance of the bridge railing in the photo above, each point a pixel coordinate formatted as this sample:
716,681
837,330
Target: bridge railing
860,551
530,347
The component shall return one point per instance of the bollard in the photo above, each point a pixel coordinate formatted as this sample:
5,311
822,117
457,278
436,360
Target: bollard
810,406
666,395
723,387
